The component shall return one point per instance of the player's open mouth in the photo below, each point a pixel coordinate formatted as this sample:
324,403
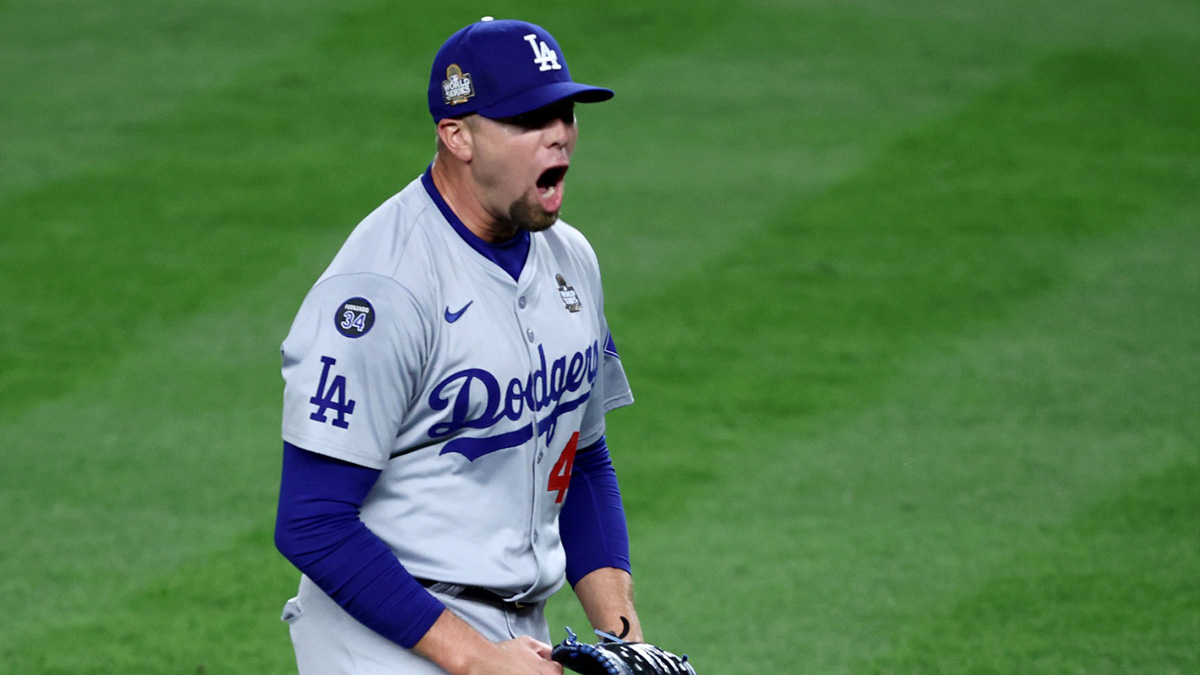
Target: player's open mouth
549,188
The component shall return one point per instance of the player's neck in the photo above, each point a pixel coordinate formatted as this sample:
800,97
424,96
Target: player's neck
456,190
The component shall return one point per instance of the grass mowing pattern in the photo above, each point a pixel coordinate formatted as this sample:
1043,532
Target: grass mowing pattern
908,299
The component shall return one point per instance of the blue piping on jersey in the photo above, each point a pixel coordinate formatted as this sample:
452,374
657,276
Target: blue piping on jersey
508,255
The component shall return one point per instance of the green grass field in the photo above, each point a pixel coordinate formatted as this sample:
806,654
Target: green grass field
909,294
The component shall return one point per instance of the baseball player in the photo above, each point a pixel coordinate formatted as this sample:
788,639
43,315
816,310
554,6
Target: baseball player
446,384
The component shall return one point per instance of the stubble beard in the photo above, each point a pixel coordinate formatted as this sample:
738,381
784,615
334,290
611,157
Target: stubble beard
526,214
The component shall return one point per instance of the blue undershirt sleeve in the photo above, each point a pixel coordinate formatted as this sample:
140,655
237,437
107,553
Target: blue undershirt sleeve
318,530
592,523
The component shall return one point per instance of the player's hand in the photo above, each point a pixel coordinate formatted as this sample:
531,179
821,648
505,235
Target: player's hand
521,656
461,650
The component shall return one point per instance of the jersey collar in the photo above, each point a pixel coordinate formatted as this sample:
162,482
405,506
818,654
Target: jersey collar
510,255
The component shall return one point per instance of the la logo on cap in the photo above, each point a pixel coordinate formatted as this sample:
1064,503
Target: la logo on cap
457,87
543,56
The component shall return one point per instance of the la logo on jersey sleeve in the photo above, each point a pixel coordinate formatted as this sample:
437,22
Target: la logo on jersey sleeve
331,395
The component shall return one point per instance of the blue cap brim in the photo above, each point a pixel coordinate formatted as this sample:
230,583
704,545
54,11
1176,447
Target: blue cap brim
540,97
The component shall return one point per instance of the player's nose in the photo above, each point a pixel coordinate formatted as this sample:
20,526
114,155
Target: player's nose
558,132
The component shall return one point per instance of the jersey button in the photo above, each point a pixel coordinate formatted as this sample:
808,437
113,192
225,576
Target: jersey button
529,334
535,537
540,455
521,302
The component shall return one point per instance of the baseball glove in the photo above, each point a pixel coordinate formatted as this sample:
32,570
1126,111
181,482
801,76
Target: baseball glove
614,656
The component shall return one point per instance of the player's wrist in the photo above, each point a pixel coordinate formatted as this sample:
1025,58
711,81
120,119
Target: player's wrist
481,660
455,646
607,598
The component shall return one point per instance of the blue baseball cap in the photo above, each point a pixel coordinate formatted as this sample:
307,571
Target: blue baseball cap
502,68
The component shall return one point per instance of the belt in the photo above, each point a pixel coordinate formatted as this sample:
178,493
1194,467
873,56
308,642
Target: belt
477,594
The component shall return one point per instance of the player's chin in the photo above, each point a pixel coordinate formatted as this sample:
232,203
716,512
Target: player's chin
541,224
529,215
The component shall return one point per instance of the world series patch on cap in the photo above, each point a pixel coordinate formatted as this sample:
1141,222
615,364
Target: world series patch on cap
502,68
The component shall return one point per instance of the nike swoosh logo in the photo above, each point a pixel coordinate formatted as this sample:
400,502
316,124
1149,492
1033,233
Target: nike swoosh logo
451,317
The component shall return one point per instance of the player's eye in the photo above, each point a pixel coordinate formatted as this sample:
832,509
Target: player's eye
536,119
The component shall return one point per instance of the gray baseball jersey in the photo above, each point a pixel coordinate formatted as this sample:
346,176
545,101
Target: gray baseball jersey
415,355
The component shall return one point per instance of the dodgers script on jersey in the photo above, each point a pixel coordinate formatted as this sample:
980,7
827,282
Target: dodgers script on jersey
415,355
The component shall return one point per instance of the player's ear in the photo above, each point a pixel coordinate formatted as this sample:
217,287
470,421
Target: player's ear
455,136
